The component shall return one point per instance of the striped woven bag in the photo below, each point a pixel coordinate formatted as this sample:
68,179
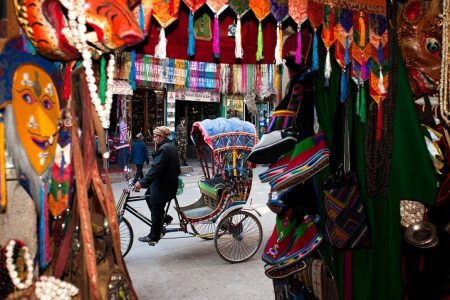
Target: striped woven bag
346,225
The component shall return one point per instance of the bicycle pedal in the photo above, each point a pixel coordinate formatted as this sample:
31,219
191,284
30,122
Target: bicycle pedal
152,243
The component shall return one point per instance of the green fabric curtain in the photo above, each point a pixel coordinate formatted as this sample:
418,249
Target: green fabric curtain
377,271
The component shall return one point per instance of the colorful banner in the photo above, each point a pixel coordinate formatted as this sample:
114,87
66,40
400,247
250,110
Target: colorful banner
194,5
165,11
261,8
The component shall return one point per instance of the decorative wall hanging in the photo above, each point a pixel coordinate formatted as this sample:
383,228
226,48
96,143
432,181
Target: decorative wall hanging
165,12
378,82
36,109
280,10
217,7
261,9
344,41
330,20
193,6
361,52
46,26
315,16
202,28
35,106
62,175
298,10
143,13
240,7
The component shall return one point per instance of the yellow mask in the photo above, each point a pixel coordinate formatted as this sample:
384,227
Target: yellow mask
36,110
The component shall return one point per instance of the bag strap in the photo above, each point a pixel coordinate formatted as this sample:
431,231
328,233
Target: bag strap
346,155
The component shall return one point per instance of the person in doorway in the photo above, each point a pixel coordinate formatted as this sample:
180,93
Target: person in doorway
161,182
182,141
139,155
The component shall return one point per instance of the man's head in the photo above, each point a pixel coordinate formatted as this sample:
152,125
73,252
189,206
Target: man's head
182,121
160,133
140,136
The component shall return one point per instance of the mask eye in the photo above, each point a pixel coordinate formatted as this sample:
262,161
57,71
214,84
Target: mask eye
432,45
47,104
28,98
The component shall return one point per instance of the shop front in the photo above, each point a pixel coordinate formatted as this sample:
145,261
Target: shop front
193,107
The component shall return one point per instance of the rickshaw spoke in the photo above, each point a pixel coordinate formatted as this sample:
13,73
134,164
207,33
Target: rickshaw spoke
204,230
238,236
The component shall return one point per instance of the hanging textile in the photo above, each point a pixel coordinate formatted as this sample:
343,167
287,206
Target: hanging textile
315,16
261,9
360,53
240,7
378,77
343,44
280,10
143,13
165,12
217,7
193,6
330,18
298,12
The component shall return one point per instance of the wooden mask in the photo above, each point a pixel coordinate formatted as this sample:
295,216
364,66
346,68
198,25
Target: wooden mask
36,110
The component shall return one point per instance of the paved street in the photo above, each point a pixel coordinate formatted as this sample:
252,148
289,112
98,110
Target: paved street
185,267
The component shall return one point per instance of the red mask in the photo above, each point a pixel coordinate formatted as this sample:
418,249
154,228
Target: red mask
419,36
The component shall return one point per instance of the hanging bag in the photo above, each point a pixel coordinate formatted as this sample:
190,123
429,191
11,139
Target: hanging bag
346,224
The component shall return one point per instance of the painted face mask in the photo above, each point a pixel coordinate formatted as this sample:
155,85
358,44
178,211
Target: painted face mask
419,37
36,109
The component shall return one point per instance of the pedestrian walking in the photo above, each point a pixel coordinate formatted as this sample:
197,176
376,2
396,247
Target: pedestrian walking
139,156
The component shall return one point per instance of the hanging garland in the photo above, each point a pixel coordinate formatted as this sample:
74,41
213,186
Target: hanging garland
77,25
19,264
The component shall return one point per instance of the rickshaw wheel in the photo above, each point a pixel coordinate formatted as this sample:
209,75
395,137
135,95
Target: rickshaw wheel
204,230
238,236
126,236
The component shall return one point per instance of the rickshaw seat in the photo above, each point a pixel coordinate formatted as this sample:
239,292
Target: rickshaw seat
212,187
211,190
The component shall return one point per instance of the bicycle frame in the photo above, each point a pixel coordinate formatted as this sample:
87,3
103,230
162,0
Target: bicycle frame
123,206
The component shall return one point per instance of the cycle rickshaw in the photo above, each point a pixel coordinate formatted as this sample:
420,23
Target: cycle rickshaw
223,212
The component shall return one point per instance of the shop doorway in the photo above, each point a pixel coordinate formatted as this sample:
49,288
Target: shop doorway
147,112
193,111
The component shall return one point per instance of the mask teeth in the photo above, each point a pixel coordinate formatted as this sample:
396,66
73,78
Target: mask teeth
50,140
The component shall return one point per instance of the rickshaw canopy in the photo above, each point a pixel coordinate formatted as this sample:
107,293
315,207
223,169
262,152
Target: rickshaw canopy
223,134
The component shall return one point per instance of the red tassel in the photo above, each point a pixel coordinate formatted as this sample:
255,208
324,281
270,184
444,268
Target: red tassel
379,122
66,87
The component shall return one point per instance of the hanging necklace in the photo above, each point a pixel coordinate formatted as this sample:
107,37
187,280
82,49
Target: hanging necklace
78,38
13,264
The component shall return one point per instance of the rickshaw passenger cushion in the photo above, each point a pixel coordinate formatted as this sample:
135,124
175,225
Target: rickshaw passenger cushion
212,187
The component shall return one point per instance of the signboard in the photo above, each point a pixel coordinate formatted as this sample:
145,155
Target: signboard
202,96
